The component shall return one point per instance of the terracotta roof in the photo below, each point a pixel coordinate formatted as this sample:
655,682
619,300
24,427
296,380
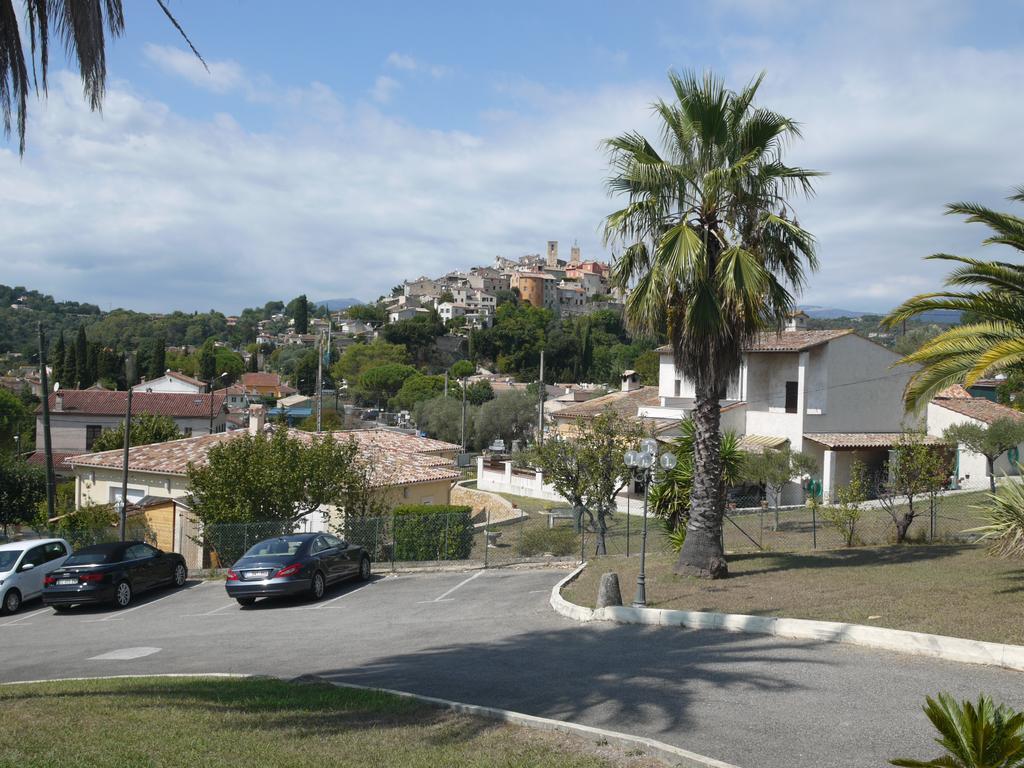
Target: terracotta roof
865,439
187,379
621,403
758,443
389,465
101,402
979,408
261,380
60,462
787,341
398,441
954,392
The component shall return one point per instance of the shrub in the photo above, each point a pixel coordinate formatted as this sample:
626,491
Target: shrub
433,532
847,511
559,541
980,735
1005,515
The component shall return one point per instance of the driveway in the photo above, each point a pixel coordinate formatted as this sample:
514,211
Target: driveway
490,638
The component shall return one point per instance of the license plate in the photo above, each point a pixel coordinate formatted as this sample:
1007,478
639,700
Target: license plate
67,582
257,574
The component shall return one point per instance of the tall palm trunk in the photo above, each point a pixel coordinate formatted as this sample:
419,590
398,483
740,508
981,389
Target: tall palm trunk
702,553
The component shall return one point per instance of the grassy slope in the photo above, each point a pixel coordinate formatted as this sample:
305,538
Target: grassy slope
953,590
158,722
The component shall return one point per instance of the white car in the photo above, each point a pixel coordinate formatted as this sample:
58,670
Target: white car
23,565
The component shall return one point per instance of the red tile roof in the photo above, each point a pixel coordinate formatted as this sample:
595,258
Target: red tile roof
865,439
621,403
979,408
100,402
954,392
787,341
261,380
60,460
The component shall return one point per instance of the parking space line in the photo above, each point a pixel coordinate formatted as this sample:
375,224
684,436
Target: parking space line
211,613
460,584
23,617
339,597
121,613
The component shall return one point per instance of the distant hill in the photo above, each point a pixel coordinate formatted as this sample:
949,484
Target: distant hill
831,313
938,316
334,305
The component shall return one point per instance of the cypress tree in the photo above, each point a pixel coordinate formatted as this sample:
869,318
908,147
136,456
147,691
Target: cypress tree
81,359
57,359
92,364
253,364
301,314
71,367
158,360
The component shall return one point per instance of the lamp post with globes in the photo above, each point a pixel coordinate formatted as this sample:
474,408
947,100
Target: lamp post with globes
642,465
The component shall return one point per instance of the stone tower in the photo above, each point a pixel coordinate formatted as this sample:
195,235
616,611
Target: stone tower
552,254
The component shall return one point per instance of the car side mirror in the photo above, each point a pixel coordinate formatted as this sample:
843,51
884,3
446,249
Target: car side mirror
27,566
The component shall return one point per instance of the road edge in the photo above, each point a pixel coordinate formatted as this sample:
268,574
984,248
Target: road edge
880,638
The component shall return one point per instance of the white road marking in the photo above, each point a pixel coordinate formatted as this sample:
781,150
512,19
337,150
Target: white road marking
460,584
339,597
211,613
125,654
23,617
122,612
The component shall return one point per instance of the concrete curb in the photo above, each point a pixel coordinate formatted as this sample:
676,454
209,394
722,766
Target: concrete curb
674,756
898,640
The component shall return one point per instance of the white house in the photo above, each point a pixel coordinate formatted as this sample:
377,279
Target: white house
172,381
829,393
954,406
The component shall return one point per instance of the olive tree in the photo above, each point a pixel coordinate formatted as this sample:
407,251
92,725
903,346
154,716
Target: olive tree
991,441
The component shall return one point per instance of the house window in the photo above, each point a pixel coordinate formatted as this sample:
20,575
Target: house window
92,431
187,431
679,388
792,389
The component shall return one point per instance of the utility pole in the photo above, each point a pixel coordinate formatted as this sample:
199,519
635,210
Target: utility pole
47,445
463,412
129,368
541,393
446,383
320,384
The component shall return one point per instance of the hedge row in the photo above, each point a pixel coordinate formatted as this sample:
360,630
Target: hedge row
433,532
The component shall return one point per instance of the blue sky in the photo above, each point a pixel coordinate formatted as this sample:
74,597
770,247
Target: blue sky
336,152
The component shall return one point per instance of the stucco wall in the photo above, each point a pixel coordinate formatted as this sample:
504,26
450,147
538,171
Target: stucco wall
68,430
972,468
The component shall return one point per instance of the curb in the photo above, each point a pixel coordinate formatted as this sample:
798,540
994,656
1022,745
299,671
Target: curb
675,756
901,641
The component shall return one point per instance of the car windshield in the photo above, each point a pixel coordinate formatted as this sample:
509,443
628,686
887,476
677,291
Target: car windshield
89,558
282,546
8,558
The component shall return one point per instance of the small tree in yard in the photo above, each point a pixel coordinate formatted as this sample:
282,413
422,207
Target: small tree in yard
588,469
915,469
22,487
147,428
991,442
772,469
846,512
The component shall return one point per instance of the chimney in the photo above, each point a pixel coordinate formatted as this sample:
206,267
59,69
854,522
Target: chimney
257,418
630,381
797,321
58,401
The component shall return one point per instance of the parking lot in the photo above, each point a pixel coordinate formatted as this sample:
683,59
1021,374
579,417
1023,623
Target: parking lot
489,637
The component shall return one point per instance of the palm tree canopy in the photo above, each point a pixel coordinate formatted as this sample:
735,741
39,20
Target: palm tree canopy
710,250
991,292
81,26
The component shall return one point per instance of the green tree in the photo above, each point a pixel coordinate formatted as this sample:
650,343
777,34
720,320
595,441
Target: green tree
16,419
57,355
157,358
991,441
22,487
441,419
647,364
330,421
299,310
980,735
846,512
509,416
274,477
915,469
772,469
461,369
479,392
415,389
710,254
70,368
82,359
146,428
373,314
991,293
418,335
669,496
384,381
206,361
358,358
588,469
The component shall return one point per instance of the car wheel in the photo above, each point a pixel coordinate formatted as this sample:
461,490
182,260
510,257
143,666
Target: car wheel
364,568
123,595
245,602
180,575
12,602
316,589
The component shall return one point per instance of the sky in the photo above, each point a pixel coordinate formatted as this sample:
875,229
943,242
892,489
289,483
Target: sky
337,152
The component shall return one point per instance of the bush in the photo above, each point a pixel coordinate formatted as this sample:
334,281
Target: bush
559,541
433,532
1004,513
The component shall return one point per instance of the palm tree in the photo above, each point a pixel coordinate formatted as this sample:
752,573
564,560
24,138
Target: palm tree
711,256
991,293
80,25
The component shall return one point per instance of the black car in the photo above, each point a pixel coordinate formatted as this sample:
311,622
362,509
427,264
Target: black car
112,573
295,564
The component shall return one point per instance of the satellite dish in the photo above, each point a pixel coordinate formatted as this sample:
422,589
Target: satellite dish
56,386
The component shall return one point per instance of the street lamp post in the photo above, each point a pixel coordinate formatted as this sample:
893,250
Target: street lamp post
642,465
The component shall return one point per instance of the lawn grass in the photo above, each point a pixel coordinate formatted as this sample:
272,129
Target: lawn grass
945,589
174,722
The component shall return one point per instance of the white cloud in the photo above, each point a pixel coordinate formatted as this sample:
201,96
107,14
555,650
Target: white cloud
407,63
223,76
384,88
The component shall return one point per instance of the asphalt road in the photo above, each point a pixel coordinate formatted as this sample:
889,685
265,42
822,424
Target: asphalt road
490,638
